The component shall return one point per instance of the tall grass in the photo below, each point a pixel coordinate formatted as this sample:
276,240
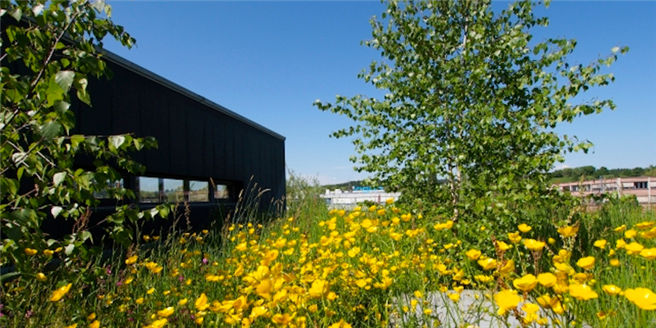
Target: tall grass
381,266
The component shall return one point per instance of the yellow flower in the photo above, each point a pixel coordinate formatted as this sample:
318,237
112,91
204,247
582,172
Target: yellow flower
611,290
442,226
614,262
182,301
547,301
506,300
582,292
630,234
547,279
201,302
131,260
48,252
319,288
620,228
283,319
620,243
389,201
508,267
30,251
568,231
648,253
166,312
586,263
633,248
60,292
473,254
139,300
454,296
151,290
72,326
525,283
514,237
645,224
644,298
95,324
533,244
41,277
601,243
488,263
503,246
260,311
157,323
91,316
531,312
524,228
341,323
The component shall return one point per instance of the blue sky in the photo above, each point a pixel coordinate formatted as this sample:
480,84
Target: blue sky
269,61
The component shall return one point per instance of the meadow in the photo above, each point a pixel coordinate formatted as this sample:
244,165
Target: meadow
373,266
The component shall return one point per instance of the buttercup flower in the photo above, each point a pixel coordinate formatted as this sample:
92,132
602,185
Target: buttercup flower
131,260
525,283
506,300
514,237
473,254
648,253
60,292
586,262
611,290
166,312
601,243
547,279
644,298
633,248
488,263
568,231
533,244
582,292
524,228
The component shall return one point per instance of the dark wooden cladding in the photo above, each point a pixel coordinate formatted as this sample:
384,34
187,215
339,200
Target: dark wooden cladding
197,139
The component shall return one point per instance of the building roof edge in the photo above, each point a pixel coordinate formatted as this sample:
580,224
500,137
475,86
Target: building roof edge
116,59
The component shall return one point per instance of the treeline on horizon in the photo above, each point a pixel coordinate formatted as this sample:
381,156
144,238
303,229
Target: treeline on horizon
568,174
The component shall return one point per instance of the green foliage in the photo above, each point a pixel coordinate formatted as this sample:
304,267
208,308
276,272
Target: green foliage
473,99
302,199
50,48
590,172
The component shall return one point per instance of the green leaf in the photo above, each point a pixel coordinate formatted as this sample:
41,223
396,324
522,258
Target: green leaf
116,142
65,79
37,9
76,139
55,210
17,14
9,276
69,249
50,130
84,96
164,212
58,177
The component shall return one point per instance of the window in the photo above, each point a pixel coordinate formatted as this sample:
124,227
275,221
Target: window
105,193
159,190
198,191
222,191
173,190
149,189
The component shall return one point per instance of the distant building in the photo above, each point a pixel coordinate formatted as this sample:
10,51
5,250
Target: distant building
644,188
349,199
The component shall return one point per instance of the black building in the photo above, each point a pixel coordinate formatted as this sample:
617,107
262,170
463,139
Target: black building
207,154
